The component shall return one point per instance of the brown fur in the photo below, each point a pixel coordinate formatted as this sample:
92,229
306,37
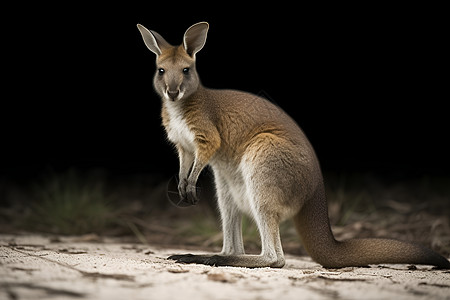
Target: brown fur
264,166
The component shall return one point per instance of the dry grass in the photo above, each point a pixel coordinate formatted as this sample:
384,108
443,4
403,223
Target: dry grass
360,205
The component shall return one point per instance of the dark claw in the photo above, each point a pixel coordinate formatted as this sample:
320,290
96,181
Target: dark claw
177,257
191,193
178,195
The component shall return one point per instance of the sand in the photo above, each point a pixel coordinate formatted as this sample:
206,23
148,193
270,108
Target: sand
87,267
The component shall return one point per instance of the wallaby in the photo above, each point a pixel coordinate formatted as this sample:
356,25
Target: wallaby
263,165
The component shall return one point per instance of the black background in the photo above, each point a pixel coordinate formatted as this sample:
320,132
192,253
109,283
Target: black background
367,84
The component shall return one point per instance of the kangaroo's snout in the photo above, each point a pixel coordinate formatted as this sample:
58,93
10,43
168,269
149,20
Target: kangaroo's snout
173,87
173,94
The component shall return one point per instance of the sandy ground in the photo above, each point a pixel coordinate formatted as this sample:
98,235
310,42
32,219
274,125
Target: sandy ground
40,267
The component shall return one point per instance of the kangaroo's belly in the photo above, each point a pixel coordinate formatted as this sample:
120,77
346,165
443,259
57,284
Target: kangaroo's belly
229,180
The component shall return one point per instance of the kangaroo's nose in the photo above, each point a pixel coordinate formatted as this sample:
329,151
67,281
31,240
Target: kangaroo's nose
173,94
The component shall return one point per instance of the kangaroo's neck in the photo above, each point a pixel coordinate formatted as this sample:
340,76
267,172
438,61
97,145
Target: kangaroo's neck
197,105
179,117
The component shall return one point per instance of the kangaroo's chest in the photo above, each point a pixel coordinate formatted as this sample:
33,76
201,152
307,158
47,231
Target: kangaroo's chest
178,131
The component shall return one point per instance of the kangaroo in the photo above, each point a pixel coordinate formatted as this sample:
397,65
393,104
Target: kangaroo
263,165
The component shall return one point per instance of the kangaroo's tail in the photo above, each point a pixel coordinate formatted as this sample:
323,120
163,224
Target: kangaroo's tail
313,225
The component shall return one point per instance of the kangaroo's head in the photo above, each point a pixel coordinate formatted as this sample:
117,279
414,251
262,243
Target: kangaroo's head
176,77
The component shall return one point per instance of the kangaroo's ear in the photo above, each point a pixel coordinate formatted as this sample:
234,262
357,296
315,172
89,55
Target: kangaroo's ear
195,38
153,40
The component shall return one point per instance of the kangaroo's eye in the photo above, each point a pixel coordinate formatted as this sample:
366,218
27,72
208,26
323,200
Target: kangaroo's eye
161,71
186,71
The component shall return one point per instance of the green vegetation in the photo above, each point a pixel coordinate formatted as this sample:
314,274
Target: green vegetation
70,204
360,205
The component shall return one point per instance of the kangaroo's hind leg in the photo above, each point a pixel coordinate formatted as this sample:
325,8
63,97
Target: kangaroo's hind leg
261,199
231,218
271,254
